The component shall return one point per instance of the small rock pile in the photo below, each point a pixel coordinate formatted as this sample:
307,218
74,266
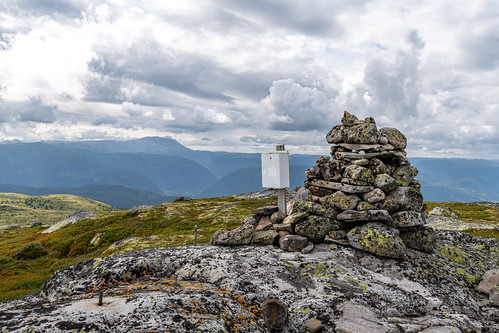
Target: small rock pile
365,196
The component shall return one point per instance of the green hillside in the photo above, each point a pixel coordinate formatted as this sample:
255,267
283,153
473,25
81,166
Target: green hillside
20,209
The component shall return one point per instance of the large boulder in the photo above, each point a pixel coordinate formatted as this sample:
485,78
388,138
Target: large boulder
408,198
420,238
407,218
358,175
378,239
405,174
341,201
395,137
293,243
238,236
316,228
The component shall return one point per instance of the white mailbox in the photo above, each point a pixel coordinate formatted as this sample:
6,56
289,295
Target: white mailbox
275,169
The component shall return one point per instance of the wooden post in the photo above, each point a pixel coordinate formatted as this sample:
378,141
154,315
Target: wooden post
281,200
101,296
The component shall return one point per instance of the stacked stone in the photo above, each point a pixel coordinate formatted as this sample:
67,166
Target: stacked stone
365,196
370,184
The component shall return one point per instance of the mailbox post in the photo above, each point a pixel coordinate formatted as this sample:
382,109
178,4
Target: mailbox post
275,173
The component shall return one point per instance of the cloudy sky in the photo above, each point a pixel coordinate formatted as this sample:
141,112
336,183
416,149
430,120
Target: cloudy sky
242,75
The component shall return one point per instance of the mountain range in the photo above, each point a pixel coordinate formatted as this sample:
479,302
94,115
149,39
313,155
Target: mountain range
154,170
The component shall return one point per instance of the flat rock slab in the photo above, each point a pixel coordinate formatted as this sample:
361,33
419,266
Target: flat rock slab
359,319
347,188
362,216
364,146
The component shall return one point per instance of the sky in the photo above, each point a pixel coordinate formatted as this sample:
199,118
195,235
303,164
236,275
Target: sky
243,76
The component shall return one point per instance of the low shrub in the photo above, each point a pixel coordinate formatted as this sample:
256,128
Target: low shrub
30,251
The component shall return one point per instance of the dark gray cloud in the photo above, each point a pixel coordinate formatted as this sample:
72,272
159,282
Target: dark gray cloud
32,110
481,48
56,8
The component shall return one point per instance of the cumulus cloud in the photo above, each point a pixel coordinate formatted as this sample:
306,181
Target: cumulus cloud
291,106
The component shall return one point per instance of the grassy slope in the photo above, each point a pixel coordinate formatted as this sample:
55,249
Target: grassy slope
24,209
165,225
170,224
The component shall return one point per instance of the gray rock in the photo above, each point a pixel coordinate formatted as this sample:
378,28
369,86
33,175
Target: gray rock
274,313
420,238
338,234
313,325
441,329
316,228
389,204
335,135
295,218
395,137
405,219
307,249
266,210
359,319
385,182
359,173
377,166
363,216
293,243
374,196
405,174
494,295
266,237
251,220
341,201
277,217
283,227
314,172
365,206
361,133
443,211
310,207
349,119
378,239
352,189
303,194
490,278
408,198
238,236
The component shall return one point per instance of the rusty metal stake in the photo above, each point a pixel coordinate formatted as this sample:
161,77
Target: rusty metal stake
101,295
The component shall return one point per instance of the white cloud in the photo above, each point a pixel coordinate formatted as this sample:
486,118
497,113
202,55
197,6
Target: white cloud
257,70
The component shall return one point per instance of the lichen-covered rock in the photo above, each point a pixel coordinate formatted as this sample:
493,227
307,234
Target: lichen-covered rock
347,188
295,218
405,174
303,194
349,119
406,219
363,216
358,173
378,239
420,238
335,135
395,137
314,172
293,243
266,210
277,217
310,207
443,211
377,166
365,132
341,201
238,236
374,196
266,237
408,198
385,182
316,228
389,204
365,206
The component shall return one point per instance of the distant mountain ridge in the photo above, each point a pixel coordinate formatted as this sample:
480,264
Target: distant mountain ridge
150,169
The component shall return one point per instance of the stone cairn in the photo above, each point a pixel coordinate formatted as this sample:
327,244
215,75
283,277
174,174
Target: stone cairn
365,196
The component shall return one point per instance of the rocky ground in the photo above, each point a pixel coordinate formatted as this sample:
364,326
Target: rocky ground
222,289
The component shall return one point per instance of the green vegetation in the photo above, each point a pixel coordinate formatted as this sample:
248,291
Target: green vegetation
473,214
28,257
23,209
